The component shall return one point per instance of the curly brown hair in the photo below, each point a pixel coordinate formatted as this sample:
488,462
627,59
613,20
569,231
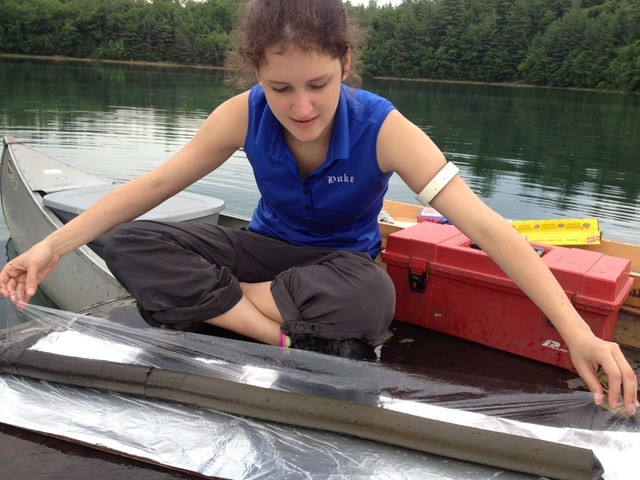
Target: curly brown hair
312,25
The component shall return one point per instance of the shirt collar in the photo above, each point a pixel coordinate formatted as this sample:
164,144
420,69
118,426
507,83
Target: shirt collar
339,144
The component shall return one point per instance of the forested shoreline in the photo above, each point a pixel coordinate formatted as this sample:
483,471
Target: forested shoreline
561,43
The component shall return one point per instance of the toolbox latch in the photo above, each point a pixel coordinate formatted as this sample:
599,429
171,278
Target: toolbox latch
418,274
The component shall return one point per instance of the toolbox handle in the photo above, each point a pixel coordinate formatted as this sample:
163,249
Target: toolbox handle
539,250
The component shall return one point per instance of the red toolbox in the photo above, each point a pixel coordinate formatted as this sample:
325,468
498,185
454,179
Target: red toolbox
444,283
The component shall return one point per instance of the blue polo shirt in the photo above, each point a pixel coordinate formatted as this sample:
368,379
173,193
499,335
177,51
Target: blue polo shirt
337,205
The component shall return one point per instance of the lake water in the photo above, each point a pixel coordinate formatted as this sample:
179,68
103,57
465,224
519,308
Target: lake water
528,152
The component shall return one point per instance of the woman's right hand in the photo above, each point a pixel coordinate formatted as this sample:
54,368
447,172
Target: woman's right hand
20,277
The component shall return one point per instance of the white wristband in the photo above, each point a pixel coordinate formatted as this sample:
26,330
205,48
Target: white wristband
437,183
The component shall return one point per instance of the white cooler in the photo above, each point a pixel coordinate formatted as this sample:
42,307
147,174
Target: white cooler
185,206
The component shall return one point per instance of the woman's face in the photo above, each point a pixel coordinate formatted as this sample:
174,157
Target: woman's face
302,89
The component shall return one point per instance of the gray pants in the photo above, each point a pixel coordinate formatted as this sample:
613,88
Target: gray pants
185,273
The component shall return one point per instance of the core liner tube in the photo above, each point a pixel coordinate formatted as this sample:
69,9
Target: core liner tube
471,444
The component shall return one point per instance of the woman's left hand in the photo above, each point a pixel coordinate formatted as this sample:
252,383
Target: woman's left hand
588,353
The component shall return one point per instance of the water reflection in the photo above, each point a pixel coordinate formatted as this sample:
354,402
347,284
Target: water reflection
533,153
530,153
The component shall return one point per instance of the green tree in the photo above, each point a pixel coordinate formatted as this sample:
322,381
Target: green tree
624,70
569,43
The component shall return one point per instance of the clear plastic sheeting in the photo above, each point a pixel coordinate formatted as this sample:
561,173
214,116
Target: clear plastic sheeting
236,447
215,443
